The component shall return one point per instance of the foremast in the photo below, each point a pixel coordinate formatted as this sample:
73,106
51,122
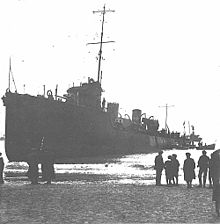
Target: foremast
101,40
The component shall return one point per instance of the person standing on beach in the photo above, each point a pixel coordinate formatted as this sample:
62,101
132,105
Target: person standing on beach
203,165
47,166
215,167
175,168
211,170
215,172
169,171
189,170
1,169
158,166
33,160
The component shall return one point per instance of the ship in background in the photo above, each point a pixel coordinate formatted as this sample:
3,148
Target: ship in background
79,123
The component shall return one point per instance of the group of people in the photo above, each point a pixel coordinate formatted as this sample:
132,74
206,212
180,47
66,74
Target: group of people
34,158
46,159
207,166
171,167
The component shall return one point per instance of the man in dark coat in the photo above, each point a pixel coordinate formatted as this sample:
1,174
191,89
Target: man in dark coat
159,165
211,172
33,160
189,170
203,165
214,167
215,172
1,169
47,166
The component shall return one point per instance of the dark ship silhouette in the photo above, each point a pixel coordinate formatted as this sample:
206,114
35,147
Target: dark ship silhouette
78,124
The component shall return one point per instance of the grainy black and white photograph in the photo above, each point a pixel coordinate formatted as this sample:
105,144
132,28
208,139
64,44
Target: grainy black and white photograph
109,111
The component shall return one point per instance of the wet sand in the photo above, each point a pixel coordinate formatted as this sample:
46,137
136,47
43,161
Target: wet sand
81,200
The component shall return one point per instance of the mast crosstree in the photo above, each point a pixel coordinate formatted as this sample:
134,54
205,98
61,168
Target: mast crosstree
101,40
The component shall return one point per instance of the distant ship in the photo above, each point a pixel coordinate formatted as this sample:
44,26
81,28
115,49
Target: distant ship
206,147
78,124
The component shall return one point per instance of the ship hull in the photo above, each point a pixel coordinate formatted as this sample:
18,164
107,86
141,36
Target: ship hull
68,130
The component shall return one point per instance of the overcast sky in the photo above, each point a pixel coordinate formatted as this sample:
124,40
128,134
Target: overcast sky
165,52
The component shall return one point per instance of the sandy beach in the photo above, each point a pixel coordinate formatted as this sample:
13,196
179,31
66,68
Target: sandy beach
85,201
122,192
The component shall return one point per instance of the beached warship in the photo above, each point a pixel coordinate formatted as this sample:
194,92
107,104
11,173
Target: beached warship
78,124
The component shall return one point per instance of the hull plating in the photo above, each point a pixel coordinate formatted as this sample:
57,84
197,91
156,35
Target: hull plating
69,131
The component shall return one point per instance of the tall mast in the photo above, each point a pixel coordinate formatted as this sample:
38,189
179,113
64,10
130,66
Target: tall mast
101,40
166,115
9,75
100,50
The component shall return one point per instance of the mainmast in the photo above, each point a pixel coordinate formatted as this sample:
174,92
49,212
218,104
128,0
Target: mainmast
166,106
101,40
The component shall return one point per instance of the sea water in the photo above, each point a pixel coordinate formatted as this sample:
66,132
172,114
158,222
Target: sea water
127,169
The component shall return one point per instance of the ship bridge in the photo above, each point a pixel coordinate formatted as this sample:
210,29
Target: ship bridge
87,94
